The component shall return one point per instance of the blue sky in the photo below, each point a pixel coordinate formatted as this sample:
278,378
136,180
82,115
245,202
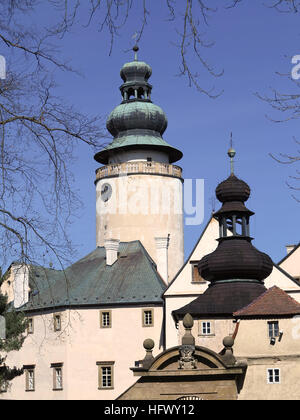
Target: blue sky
252,43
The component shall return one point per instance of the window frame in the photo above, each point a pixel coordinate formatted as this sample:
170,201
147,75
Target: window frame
30,325
211,327
101,367
273,329
144,323
55,367
28,369
56,325
102,323
272,375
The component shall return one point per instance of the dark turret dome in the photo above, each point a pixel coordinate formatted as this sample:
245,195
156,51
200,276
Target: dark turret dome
235,257
233,189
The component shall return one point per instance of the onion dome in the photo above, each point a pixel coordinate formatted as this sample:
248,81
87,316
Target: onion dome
232,189
135,116
137,122
235,257
136,71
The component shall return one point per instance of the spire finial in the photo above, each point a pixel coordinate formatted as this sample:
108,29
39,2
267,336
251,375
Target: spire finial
135,49
231,153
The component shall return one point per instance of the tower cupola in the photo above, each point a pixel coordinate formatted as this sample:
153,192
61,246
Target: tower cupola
235,257
137,123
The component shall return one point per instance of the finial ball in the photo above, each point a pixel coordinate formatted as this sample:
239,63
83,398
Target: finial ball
228,341
231,152
148,344
135,48
188,321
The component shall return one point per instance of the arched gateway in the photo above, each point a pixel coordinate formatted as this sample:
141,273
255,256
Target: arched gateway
187,372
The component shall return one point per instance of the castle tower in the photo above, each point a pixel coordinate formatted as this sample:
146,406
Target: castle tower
139,190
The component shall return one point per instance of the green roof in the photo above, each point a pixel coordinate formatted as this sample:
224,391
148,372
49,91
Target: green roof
132,279
141,141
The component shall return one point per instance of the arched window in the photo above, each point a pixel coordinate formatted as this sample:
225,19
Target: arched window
130,93
141,93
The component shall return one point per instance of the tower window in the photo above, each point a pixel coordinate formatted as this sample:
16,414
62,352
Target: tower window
141,94
149,159
130,93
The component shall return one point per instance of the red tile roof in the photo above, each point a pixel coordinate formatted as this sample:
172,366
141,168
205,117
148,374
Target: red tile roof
272,302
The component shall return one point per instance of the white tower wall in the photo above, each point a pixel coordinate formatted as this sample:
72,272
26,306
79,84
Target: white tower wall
143,207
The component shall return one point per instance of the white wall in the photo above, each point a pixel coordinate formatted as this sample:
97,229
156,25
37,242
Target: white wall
79,345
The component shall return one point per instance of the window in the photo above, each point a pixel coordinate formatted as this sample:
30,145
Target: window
196,278
105,319
57,322
57,376
106,375
30,326
273,376
273,329
29,377
206,328
148,318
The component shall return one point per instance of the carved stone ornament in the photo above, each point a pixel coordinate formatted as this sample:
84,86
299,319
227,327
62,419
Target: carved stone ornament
187,361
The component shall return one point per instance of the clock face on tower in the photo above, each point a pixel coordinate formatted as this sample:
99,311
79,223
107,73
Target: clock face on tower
106,191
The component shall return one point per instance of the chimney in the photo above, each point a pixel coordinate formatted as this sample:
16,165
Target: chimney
162,245
20,275
289,248
111,247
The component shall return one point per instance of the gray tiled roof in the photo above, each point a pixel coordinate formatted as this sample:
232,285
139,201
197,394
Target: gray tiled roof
132,279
